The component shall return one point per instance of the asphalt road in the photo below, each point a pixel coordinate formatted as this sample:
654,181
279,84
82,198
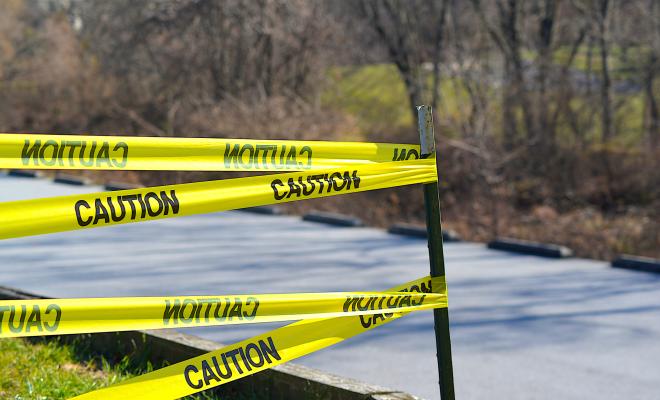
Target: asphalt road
522,327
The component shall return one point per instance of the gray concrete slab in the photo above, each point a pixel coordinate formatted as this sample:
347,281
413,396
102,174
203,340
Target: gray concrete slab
522,327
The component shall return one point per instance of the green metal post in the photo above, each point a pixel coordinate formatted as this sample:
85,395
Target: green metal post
436,255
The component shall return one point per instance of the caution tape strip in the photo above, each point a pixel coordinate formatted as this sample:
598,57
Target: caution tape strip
252,355
20,318
57,214
34,151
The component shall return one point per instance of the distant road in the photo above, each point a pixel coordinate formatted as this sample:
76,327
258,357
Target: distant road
522,327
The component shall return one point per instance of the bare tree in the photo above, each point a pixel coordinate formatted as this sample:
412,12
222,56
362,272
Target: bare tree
651,71
47,80
412,33
601,14
173,57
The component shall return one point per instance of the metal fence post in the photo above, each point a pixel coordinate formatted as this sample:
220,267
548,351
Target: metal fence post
436,255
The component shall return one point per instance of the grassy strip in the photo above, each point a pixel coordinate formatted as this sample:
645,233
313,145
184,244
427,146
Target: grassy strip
48,370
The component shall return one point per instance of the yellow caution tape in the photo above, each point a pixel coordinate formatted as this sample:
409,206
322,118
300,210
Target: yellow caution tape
253,355
89,315
334,168
30,151
39,216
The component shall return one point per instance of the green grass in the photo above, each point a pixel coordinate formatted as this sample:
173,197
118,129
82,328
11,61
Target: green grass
620,62
376,97
47,370
374,94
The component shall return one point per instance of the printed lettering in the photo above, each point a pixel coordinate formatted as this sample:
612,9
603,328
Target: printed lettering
403,154
267,156
252,355
77,207
186,375
74,153
22,319
113,209
306,186
30,152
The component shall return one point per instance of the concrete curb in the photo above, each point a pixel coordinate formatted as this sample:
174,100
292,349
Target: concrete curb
264,210
332,219
637,263
420,232
283,382
114,186
531,248
70,180
20,173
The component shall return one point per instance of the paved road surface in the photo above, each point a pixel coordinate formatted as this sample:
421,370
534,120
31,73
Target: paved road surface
522,327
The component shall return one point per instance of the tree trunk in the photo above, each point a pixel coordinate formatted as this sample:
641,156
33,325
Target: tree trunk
653,67
605,84
543,101
653,114
413,88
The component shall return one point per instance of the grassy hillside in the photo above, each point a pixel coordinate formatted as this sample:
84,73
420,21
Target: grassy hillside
375,96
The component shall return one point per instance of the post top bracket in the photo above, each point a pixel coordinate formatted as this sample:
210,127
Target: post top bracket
425,127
